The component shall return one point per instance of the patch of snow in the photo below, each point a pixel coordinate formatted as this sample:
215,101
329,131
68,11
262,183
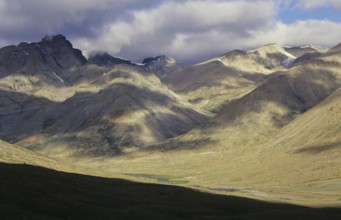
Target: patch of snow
307,47
251,51
121,58
289,55
58,77
301,47
287,63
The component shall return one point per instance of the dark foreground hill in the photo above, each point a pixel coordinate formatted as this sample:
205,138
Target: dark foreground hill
56,195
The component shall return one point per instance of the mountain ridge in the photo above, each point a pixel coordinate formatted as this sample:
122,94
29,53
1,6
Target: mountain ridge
234,124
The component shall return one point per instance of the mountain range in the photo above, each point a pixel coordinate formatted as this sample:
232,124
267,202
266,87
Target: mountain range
263,124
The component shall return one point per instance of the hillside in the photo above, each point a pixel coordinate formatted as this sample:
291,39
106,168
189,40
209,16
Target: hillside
298,164
89,109
239,149
56,195
215,82
261,124
209,85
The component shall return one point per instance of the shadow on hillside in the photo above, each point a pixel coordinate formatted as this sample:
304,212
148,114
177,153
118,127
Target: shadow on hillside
194,77
29,192
296,95
94,115
87,110
317,149
175,144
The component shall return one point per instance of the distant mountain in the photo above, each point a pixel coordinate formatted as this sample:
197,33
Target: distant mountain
39,68
162,66
104,107
273,56
252,106
93,106
300,50
106,60
52,54
209,85
265,59
262,123
212,83
128,111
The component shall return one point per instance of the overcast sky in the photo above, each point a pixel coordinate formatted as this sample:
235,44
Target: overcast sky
188,30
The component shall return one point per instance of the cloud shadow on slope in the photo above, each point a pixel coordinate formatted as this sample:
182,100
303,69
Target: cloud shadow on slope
30,192
297,95
211,75
174,144
97,111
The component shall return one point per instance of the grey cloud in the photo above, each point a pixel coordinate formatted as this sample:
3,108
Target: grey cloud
29,20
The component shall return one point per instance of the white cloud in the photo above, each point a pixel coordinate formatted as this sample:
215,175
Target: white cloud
183,29
189,30
317,32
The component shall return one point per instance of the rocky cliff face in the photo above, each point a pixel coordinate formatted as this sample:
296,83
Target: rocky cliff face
52,54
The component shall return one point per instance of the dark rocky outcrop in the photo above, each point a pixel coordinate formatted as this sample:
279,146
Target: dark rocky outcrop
52,54
106,60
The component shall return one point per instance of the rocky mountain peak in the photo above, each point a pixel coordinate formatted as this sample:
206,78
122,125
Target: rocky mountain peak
155,59
162,65
106,60
54,53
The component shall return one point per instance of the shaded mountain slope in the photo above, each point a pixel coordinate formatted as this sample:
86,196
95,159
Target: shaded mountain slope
217,81
266,139
298,51
258,114
313,140
120,110
210,84
287,93
106,60
41,68
298,163
283,95
65,101
53,53
266,59
303,156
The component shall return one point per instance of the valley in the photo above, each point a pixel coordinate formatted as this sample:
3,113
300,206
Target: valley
258,128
